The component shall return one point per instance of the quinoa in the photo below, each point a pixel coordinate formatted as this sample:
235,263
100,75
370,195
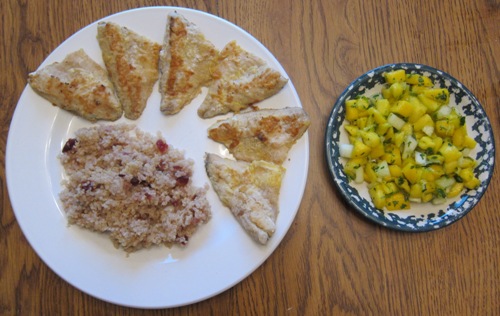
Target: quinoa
132,186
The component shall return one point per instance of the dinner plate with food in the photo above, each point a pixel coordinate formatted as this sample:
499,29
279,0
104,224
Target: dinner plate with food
165,161
410,147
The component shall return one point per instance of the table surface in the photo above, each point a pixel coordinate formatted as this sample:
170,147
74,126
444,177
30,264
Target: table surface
332,261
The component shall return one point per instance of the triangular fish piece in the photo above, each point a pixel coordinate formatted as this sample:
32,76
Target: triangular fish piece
240,80
186,60
250,190
266,134
132,63
79,85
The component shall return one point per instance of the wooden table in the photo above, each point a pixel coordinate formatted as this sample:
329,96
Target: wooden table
332,261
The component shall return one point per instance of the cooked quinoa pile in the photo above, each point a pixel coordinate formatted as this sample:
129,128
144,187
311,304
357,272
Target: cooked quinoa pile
134,186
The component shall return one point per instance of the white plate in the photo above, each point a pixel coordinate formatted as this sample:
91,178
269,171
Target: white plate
219,255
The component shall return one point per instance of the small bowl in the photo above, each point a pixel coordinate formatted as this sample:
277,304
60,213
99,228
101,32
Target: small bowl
421,216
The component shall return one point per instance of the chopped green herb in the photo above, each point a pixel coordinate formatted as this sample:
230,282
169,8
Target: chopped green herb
462,120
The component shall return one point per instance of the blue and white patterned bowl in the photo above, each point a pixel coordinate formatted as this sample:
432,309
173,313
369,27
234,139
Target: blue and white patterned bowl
421,216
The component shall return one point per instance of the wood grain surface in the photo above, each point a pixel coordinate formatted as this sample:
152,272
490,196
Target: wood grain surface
332,261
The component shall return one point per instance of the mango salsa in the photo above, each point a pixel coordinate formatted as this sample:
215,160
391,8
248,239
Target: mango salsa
408,143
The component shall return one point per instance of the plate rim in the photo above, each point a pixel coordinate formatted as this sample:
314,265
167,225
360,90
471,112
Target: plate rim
380,220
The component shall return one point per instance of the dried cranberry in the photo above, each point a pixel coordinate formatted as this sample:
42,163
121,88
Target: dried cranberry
134,180
161,145
69,145
145,183
183,180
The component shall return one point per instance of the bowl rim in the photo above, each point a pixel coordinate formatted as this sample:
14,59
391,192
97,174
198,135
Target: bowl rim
339,103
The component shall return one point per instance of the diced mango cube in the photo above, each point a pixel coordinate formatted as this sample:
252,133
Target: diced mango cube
378,197
351,129
418,80
397,201
370,139
455,190
441,95
418,109
403,108
431,104
422,122
444,128
395,76
360,149
383,106
450,152
469,142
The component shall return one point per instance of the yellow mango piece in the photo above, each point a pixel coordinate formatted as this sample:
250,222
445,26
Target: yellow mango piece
438,142
419,80
383,106
356,109
403,184
407,129
412,173
403,108
378,117
472,183
418,109
351,129
387,94
416,191
458,137
455,190
469,142
362,122
351,110
416,90
431,104
450,152
466,162
381,129
389,188
352,165
399,138
444,128
395,171
438,170
397,201
456,119
369,174
378,197
440,95
450,167
397,89
425,142
466,174
377,151
422,122
427,197
392,156
360,149
429,175
362,103
370,139
395,76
